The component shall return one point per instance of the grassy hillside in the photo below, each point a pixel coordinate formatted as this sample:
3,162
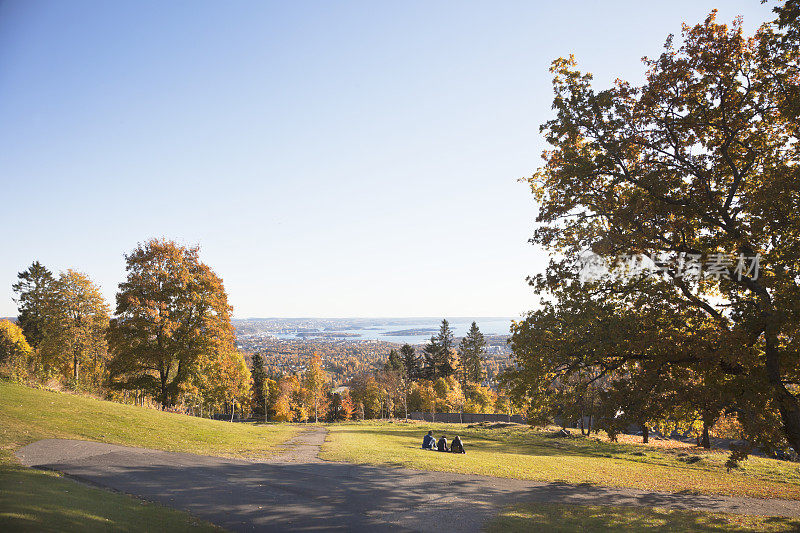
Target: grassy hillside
29,414
36,501
524,453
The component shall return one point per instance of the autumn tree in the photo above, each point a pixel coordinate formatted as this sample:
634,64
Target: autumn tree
66,318
347,405
504,403
299,399
449,396
700,161
479,399
217,381
638,398
272,391
33,291
194,393
15,351
365,394
605,353
316,383
428,396
395,381
76,325
393,386
286,394
398,374
340,407
232,379
171,309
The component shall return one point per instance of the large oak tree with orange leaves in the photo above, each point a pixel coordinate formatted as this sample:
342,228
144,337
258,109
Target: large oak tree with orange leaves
702,158
172,314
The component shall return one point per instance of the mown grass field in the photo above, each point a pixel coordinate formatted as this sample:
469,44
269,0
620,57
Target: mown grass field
561,518
34,500
524,453
43,501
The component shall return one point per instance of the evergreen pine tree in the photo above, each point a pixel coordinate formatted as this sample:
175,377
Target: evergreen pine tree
394,363
34,288
472,351
438,352
429,354
410,362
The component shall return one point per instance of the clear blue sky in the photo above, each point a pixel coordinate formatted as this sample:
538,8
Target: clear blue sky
330,158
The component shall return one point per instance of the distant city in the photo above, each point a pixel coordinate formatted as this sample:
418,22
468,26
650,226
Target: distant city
351,345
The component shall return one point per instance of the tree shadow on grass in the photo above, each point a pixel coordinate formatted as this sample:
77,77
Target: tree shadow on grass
590,519
35,501
240,495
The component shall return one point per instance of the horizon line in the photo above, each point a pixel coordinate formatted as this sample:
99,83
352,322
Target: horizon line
373,317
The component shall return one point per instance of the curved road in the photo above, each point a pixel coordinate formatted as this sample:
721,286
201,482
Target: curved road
296,491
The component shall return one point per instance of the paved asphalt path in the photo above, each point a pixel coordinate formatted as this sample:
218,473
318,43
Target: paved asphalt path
298,492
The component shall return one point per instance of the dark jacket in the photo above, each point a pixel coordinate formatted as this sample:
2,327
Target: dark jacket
429,442
442,446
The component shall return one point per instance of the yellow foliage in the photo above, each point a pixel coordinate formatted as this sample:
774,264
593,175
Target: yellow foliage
15,352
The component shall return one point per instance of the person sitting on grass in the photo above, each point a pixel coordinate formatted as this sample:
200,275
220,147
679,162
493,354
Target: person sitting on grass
442,446
429,441
457,446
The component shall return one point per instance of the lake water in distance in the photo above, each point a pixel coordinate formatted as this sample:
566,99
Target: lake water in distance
377,332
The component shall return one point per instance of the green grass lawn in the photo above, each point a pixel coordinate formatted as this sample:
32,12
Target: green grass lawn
525,453
27,415
33,500
562,518
36,501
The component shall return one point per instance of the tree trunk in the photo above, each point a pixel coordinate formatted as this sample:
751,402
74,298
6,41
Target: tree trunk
645,434
75,354
75,366
706,441
786,401
164,376
233,408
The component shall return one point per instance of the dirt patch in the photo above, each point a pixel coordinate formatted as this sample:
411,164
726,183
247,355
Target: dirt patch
302,448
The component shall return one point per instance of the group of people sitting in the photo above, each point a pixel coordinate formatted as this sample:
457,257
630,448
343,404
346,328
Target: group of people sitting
429,443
